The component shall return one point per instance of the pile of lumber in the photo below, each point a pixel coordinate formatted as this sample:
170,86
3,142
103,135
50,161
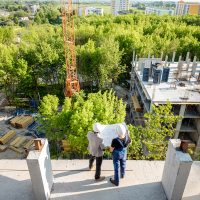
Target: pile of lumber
8,136
29,144
15,119
17,150
18,141
19,144
22,121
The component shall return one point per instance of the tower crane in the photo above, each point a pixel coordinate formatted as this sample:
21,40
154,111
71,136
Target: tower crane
71,82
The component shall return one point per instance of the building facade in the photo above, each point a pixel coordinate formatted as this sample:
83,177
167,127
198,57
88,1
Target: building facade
155,82
158,11
119,6
186,8
84,11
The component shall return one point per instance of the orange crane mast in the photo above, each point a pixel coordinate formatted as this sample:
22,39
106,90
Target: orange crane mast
71,83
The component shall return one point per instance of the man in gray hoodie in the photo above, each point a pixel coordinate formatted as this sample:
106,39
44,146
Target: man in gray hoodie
95,148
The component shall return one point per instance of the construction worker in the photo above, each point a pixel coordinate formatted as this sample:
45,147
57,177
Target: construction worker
119,152
95,148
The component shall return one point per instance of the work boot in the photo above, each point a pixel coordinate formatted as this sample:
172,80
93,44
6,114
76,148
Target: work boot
122,176
100,178
114,182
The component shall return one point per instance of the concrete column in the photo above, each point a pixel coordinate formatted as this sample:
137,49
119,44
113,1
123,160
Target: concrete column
161,56
188,63
178,125
133,56
149,55
40,169
187,56
136,63
166,58
194,66
176,170
173,57
179,59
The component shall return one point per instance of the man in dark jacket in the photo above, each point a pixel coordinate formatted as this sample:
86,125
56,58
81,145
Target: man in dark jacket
119,153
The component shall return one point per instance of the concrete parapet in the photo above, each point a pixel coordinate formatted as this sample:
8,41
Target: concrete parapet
40,169
176,170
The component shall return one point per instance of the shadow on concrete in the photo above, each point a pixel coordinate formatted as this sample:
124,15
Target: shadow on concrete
79,186
90,190
195,197
69,172
12,189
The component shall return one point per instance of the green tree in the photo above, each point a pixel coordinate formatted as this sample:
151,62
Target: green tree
12,68
100,62
48,14
77,116
45,58
159,127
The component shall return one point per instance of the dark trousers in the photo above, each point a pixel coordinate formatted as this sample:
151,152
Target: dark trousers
98,165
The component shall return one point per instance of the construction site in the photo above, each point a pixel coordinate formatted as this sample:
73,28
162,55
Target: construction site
155,81
18,129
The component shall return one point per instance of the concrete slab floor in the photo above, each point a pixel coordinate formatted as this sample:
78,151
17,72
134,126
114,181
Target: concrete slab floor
72,180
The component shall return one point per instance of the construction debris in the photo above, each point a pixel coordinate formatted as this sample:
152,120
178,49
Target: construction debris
8,136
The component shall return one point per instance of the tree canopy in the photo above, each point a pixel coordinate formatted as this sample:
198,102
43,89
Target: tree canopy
104,46
77,116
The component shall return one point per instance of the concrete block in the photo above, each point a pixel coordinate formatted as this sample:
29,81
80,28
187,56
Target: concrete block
176,170
40,169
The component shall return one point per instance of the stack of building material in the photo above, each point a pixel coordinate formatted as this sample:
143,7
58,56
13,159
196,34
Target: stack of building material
17,150
18,141
65,145
29,144
8,136
22,121
15,119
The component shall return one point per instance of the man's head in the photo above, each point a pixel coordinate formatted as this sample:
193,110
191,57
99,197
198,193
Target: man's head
121,131
97,127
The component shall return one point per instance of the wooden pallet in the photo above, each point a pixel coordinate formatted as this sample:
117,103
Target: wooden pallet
8,136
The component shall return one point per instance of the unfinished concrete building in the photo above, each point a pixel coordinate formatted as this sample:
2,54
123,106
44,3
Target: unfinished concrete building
154,81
